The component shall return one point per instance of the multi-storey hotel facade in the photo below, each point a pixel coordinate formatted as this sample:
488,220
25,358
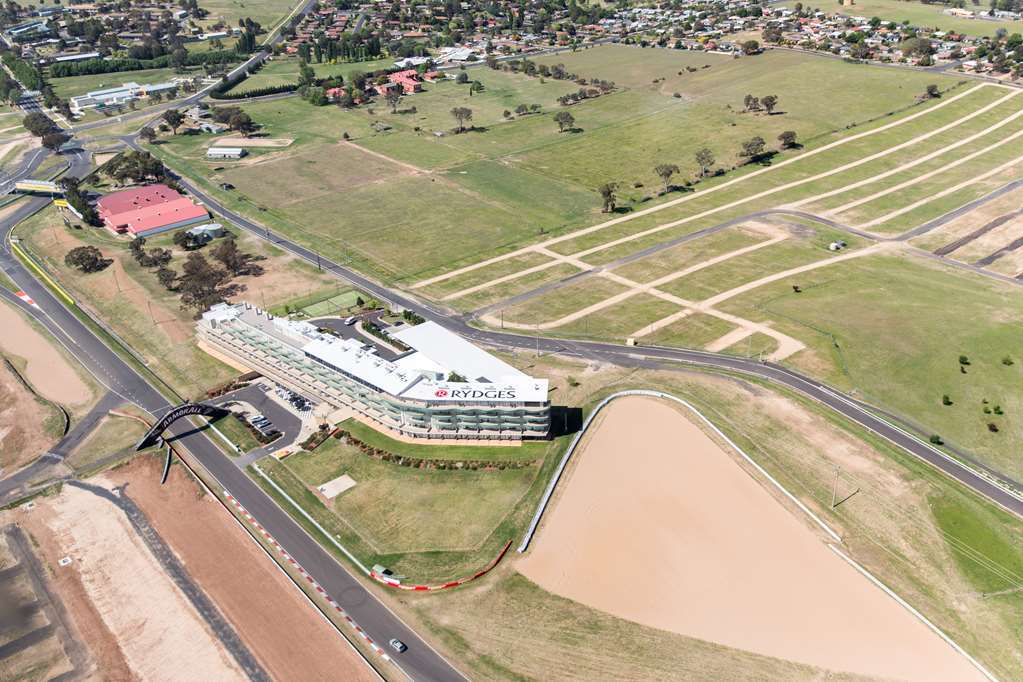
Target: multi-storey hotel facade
411,393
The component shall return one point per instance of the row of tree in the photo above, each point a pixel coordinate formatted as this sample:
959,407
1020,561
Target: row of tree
751,150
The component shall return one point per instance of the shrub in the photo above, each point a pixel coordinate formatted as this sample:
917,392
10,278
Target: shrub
963,360
945,400
936,439
992,427
1007,361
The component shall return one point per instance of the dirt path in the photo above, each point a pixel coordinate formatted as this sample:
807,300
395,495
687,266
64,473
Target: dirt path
710,553
926,176
725,185
384,157
944,193
47,370
22,435
288,636
916,162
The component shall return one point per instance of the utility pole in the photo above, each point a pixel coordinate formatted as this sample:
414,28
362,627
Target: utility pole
117,282
538,339
318,261
150,305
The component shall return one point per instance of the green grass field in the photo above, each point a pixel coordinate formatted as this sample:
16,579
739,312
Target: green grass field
79,85
929,16
267,12
892,328
429,524
283,70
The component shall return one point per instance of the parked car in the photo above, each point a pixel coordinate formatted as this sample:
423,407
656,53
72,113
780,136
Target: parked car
398,645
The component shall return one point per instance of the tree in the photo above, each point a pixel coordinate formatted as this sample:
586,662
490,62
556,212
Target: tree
608,193
148,134
393,98
234,259
174,119
242,123
788,139
87,259
750,47
202,285
751,103
462,78
38,124
167,278
564,120
753,147
665,171
54,140
705,160
461,115
769,103
933,91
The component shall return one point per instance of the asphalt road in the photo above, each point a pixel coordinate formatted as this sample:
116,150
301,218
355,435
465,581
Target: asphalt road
420,661
975,476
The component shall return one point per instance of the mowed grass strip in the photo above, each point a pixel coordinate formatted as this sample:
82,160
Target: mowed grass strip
482,275
399,509
695,330
931,186
619,321
934,209
562,301
519,285
690,253
892,328
800,249
754,345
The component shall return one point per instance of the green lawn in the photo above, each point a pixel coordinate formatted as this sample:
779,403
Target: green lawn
429,524
267,12
689,254
562,301
929,16
283,70
892,328
237,433
79,85
693,331
620,321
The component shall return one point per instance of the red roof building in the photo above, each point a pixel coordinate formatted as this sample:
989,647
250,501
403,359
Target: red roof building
407,79
142,211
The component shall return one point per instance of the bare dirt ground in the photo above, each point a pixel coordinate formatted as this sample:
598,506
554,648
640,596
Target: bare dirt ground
156,631
253,142
47,370
22,436
711,554
287,635
967,223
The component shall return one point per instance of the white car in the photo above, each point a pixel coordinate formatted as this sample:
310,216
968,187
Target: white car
398,645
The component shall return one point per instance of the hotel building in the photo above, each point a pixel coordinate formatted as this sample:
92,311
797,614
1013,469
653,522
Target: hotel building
409,393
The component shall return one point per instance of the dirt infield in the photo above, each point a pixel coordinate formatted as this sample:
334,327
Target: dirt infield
47,370
658,525
156,631
290,639
253,142
22,433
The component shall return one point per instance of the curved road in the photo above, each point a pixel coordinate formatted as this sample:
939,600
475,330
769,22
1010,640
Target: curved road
985,481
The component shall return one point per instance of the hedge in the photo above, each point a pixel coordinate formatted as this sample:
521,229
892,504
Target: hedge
94,66
257,92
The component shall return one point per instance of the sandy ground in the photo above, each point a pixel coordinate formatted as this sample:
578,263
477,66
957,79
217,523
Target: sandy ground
158,631
710,553
22,436
253,142
47,370
287,635
106,660
991,242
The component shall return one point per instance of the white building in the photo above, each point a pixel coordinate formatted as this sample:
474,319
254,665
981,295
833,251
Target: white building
410,394
225,153
122,94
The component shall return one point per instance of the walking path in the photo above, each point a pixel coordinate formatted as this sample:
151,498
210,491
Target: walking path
725,185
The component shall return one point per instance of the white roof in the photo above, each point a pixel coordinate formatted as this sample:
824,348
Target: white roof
447,349
224,150
349,356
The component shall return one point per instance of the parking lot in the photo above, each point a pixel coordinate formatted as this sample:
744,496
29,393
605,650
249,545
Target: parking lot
271,411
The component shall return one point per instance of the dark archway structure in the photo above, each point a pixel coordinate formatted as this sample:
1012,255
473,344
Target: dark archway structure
153,436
